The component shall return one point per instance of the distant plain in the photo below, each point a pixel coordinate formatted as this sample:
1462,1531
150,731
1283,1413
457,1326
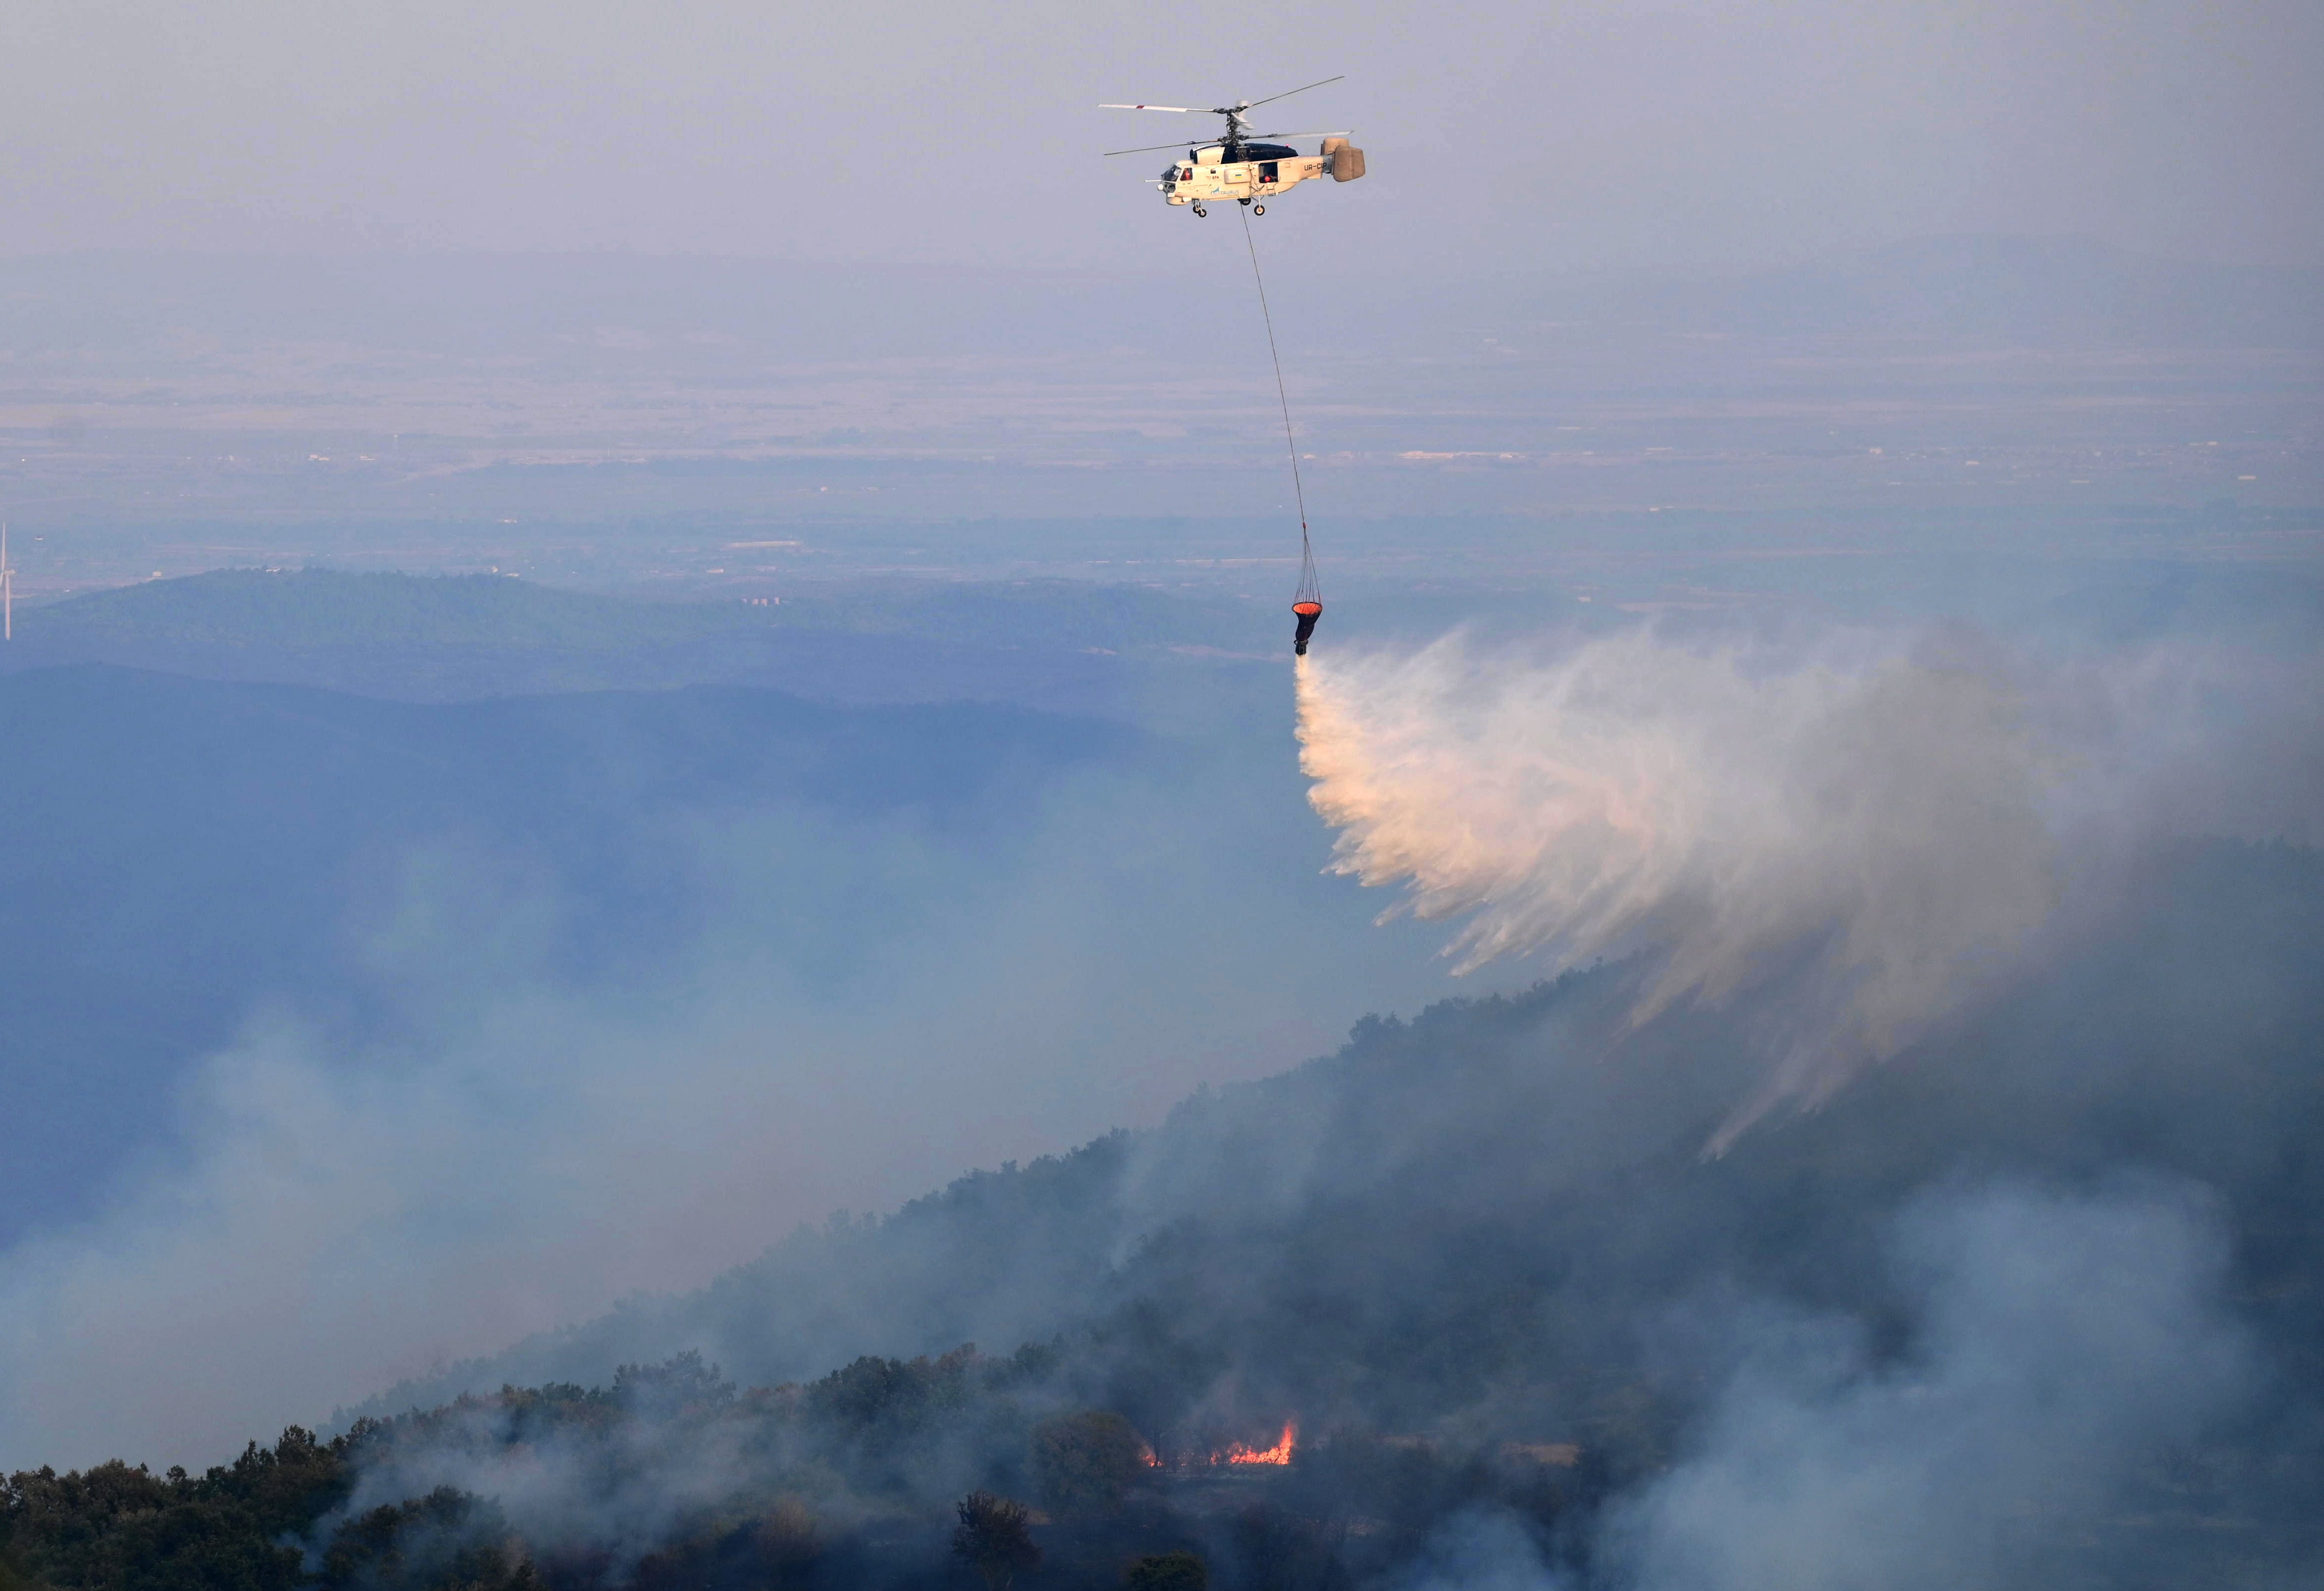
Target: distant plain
691,428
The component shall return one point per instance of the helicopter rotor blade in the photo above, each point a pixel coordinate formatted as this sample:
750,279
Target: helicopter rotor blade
1287,93
1183,110
1220,142
1150,148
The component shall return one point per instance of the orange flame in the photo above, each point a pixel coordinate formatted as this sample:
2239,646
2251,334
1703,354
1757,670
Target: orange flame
1279,1454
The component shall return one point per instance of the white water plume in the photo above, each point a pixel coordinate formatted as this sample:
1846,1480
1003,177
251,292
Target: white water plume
1871,831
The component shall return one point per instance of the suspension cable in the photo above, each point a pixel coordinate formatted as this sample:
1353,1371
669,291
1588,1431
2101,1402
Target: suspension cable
1307,581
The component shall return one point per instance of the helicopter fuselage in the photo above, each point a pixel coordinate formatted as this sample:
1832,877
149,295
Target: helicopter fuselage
1263,171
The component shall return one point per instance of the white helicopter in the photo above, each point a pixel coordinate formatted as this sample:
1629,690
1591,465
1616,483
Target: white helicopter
1243,166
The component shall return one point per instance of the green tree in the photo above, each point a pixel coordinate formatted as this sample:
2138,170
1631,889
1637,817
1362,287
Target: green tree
992,1538
1171,1571
1086,1460
448,1539
116,1528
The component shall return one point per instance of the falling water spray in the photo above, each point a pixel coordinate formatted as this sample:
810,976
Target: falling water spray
1859,843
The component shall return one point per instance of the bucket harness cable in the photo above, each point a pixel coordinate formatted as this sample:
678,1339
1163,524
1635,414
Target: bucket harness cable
1310,588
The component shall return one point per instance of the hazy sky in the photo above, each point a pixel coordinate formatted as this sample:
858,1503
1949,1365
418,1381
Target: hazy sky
1594,132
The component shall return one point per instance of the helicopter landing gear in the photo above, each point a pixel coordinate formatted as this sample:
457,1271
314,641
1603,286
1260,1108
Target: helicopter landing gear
1258,209
1200,211
1244,200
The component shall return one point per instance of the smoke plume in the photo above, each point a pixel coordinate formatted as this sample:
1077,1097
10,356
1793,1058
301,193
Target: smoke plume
2064,1341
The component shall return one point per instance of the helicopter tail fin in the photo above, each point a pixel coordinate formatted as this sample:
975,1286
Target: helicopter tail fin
1345,160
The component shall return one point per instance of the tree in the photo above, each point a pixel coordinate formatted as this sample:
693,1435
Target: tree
1172,1571
993,1539
677,1385
1086,1460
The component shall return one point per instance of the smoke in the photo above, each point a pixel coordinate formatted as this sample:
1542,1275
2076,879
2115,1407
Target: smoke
620,1486
1870,837
858,1011
1482,1551
1843,849
2066,1344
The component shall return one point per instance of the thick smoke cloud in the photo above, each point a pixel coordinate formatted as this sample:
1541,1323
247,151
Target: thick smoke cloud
2063,1346
1483,1551
2063,1341
621,1496
1880,834
866,1009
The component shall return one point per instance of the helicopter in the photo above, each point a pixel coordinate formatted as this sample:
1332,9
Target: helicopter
1243,165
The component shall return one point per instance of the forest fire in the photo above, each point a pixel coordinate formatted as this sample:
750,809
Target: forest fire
1279,1454
1237,1453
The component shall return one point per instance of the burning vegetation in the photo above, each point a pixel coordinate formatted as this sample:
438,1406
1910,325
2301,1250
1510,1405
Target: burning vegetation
1231,1454
1280,1453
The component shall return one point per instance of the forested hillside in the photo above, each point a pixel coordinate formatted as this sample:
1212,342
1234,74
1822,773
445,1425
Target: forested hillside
1479,1265
1539,1141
